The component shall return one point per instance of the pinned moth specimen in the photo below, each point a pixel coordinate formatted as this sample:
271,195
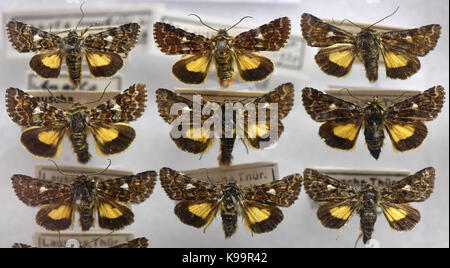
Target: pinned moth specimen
103,51
199,202
342,201
110,199
47,125
339,48
403,121
258,119
223,50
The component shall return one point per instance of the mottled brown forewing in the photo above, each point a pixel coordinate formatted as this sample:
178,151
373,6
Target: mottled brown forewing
422,107
118,39
414,188
417,42
278,193
126,106
26,38
318,33
129,189
321,187
26,110
268,37
181,187
171,40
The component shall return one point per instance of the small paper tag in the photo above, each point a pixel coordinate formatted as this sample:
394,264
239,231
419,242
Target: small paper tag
64,99
106,17
220,96
88,83
80,239
244,175
362,96
377,178
51,173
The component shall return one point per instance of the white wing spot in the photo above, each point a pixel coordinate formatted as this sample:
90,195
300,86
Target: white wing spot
36,38
330,34
116,107
332,106
407,188
124,186
190,186
415,106
272,192
330,187
109,38
42,189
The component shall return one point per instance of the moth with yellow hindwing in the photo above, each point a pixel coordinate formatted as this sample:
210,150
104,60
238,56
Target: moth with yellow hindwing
103,50
223,50
339,48
47,125
259,120
343,200
403,121
199,202
87,195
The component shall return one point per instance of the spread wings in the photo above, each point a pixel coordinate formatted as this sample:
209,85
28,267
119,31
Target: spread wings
342,120
404,120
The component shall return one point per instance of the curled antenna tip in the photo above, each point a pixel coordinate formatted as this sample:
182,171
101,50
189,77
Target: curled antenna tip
198,17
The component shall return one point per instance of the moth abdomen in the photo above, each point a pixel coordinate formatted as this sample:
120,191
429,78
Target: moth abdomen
226,149
80,146
368,219
86,218
73,62
229,215
225,71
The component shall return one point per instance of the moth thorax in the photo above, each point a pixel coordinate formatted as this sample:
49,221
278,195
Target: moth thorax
222,45
72,42
374,112
368,41
84,190
369,198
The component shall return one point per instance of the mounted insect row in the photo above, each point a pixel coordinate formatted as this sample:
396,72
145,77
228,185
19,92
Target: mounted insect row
257,121
339,48
200,201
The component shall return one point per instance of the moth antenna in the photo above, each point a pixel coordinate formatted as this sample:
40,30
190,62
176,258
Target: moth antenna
96,239
401,95
101,97
350,94
246,17
207,176
60,171
203,22
357,240
56,98
383,18
59,239
354,24
246,147
82,15
100,172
